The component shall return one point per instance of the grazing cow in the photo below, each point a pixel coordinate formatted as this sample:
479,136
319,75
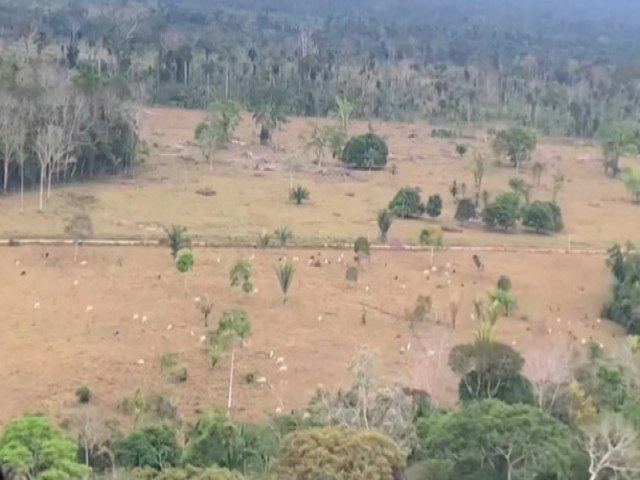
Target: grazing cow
478,262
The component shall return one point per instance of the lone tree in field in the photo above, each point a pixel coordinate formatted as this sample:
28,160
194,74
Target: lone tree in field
285,272
461,150
299,194
479,169
622,138
270,115
537,169
365,152
385,219
233,326
407,203
177,239
343,111
317,142
631,179
517,144
79,228
216,131
240,276
184,263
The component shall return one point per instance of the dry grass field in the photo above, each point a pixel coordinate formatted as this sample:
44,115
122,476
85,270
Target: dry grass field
69,323
51,343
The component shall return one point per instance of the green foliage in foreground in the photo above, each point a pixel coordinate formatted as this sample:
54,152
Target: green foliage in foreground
37,449
624,306
338,453
514,441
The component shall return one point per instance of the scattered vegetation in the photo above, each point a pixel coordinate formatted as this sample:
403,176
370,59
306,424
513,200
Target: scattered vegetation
543,217
631,179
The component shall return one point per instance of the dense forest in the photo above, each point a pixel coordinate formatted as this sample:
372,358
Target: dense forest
562,69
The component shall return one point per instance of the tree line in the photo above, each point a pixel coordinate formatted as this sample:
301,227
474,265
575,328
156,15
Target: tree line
465,69
58,126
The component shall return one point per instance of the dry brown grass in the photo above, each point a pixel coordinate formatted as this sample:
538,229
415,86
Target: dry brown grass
48,351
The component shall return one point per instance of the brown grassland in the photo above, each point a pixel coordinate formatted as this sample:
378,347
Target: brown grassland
69,323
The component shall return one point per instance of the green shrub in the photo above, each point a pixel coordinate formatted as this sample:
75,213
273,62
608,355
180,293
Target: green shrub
154,446
151,407
466,210
434,206
361,247
504,283
443,133
285,272
385,219
503,212
543,217
503,301
240,275
299,194
368,151
283,235
407,203
84,394
431,237
173,367
351,274
264,239
185,261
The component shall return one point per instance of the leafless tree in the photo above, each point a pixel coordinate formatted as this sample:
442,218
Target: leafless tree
12,135
454,305
613,448
550,372
49,145
367,404
92,432
431,368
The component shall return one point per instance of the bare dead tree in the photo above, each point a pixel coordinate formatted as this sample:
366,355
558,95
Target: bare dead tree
612,446
49,145
12,135
454,305
431,368
550,373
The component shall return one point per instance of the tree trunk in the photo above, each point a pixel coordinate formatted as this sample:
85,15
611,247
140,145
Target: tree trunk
49,175
233,358
42,173
22,185
5,182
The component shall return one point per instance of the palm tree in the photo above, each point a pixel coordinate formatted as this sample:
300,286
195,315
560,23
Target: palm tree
177,239
299,194
283,235
285,273
270,116
344,109
317,142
